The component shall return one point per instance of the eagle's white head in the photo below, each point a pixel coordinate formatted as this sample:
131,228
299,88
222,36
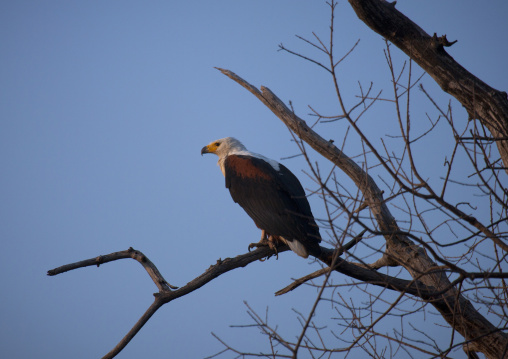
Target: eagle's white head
223,148
231,146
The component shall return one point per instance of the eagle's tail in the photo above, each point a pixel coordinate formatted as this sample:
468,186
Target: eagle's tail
297,247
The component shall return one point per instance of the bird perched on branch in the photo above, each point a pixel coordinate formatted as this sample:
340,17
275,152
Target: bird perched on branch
270,194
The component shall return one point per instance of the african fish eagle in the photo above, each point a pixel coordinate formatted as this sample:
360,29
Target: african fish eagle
270,194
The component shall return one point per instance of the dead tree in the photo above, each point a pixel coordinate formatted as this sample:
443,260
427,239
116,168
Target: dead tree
425,256
395,209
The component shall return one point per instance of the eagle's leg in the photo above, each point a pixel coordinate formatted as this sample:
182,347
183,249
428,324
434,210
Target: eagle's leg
273,241
262,243
267,240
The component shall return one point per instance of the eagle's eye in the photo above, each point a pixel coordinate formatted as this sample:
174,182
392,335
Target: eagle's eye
217,144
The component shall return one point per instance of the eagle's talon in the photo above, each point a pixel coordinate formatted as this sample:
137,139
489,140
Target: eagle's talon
257,245
266,241
252,245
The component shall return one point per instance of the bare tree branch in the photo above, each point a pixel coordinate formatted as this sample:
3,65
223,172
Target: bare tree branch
151,269
338,252
165,294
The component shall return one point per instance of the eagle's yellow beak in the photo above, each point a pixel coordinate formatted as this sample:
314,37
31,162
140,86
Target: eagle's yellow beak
205,150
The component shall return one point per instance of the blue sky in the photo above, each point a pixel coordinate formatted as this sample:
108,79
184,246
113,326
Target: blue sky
104,107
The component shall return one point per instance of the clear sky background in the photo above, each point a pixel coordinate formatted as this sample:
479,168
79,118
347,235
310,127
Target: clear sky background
104,107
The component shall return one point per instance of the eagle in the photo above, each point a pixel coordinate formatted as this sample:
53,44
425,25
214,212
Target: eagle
270,194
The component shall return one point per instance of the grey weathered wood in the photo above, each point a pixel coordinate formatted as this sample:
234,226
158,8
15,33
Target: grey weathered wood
454,308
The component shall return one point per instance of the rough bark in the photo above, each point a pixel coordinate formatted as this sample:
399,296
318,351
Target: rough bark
481,101
455,309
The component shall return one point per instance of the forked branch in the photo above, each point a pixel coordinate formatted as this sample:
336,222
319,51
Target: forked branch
165,294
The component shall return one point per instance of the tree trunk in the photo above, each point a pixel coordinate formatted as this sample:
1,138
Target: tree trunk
481,101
